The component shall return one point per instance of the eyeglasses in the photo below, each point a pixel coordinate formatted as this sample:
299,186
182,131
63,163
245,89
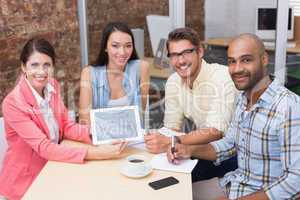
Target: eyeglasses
185,54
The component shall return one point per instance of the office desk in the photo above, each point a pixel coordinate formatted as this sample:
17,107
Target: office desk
156,72
158,79
216,51
102,180
225,41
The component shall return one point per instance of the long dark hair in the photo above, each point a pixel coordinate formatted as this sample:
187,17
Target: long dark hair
111,27
37,44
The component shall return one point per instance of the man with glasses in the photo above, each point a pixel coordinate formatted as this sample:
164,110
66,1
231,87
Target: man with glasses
200,92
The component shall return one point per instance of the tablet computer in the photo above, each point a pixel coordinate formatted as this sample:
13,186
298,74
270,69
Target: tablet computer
110,124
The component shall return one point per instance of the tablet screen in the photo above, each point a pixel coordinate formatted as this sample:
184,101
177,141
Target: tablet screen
115,123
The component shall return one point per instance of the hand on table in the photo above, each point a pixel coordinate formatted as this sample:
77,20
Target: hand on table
156,142
107,151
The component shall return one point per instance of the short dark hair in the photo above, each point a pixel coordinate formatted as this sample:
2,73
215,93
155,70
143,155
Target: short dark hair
40,45
111,27
184,34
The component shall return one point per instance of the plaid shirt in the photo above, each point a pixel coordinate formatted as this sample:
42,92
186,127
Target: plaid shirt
266,139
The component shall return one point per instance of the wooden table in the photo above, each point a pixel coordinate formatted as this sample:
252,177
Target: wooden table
102,180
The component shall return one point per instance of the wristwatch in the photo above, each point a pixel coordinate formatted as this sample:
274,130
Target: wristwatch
177,139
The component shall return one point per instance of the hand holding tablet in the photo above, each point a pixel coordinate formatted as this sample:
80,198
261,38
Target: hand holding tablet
106,151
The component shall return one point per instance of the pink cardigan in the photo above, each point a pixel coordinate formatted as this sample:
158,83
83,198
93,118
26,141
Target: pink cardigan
27,136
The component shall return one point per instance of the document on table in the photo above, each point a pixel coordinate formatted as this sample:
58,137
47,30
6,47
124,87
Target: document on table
161,162
168,132
138,144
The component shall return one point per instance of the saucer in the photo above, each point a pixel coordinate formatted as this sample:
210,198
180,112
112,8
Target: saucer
124,170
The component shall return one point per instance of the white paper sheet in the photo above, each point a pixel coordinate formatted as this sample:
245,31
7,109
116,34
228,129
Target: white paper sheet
139,144
161,162
167,132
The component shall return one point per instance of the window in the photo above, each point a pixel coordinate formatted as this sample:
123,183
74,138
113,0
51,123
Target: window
296,5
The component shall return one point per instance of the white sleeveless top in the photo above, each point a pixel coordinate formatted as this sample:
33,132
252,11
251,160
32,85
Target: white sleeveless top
123,101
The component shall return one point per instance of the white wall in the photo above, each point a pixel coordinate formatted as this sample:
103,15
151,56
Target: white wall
219,18
227,18
3,143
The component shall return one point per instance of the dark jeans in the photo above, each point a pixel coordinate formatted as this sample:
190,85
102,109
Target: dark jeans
205,169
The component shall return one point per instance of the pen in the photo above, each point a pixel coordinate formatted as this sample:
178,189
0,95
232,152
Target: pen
173,145
147,117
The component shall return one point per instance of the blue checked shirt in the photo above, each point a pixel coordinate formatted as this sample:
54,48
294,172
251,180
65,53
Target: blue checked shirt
266,139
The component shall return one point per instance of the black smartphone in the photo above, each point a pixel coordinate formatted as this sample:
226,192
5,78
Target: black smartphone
165,182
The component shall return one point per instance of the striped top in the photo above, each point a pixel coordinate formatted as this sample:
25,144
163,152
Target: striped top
267,141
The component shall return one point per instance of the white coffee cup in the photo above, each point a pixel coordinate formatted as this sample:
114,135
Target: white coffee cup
136,164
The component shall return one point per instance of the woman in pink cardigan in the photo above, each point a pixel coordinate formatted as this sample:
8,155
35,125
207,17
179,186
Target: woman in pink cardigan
36,121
